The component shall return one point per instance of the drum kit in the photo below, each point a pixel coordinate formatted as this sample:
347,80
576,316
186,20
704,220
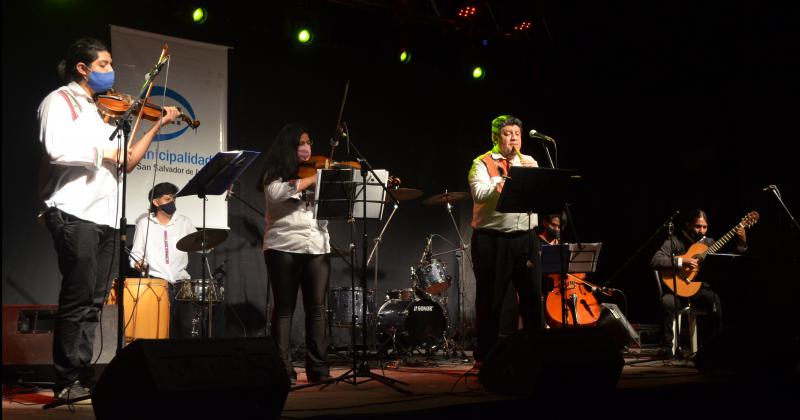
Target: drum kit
414,318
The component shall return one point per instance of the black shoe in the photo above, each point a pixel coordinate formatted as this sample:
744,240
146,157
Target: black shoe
665,351
73,392
317,378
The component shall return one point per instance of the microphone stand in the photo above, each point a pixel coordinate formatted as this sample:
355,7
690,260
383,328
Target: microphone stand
777,195
564,264
123,126
676,342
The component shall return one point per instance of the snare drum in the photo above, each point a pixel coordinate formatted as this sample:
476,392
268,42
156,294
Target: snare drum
432,277
416,323
146,306
192,291
341,306
400,294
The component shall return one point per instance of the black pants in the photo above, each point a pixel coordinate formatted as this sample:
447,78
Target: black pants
288,271
181,315
706,300
500,259
87,261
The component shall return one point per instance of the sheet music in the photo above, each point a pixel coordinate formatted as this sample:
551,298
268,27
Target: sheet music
582,257
375,194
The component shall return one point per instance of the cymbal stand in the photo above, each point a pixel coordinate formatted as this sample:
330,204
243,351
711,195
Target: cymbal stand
462,251
377,242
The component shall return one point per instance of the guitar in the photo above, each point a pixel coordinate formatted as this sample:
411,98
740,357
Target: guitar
686,287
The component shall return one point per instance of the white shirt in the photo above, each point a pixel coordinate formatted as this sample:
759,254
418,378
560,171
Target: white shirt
290,224
166,260
73,176
485,196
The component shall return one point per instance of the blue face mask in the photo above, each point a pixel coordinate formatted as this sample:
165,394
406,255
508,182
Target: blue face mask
101,82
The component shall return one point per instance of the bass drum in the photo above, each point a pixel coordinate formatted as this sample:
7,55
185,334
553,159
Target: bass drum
417,323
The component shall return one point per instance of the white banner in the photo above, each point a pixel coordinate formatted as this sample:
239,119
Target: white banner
196,80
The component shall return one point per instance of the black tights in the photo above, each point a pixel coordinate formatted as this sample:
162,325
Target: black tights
286,272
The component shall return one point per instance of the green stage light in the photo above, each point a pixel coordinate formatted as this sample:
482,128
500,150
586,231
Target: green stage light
405,56
478,73
305,36
199,15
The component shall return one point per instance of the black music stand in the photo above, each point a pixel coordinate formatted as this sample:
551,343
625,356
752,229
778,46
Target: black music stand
334,194
541,190
214,179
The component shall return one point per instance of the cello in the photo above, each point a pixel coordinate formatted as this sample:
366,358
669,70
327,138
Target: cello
580,304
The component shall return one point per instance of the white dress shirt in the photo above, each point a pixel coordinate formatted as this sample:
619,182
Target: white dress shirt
290,224
73,176
166,260
485,196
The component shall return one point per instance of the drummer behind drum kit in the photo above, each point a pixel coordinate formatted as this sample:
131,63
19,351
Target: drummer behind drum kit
410,319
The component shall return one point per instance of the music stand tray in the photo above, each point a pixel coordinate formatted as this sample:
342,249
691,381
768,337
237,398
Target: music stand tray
537,190
219,173
334,194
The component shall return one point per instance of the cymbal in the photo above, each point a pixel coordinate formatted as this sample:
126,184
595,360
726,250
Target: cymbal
194,241
403,194
444,198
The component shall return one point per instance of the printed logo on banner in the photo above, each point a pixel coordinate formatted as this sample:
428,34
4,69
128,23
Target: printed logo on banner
179,101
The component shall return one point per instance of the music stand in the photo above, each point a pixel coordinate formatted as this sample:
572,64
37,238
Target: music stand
541,190
333,194
214,179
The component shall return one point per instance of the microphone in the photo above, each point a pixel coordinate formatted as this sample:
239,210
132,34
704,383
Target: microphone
427,252
537,135
157,69
340,135
769,187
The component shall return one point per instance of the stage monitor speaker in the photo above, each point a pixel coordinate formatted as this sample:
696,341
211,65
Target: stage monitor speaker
614,322
28,342
554,361
231,377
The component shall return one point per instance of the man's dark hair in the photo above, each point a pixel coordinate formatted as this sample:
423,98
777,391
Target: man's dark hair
84,50
159,190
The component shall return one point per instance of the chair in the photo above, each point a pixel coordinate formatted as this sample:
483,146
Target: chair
689,312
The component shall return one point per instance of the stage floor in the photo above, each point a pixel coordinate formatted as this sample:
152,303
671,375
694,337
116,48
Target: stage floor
448,388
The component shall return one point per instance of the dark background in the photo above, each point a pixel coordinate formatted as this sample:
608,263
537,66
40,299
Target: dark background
660,107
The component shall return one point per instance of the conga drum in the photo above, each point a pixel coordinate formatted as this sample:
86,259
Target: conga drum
146,302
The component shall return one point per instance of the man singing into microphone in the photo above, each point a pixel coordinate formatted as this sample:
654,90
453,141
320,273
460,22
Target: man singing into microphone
502,243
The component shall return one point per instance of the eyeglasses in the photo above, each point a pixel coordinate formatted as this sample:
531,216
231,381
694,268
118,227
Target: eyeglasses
309,142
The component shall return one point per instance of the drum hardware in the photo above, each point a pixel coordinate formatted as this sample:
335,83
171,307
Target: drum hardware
447,199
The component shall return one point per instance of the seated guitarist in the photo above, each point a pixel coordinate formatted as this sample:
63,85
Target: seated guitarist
693,231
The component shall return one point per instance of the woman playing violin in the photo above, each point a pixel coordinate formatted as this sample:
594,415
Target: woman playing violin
79,189
296,249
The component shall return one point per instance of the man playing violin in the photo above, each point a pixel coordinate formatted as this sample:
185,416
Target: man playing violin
79,186
502,244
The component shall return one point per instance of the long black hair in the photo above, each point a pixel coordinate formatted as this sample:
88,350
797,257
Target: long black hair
84,50
280,161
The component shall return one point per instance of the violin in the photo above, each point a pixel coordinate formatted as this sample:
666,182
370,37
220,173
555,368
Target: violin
113,105
580,304
309,168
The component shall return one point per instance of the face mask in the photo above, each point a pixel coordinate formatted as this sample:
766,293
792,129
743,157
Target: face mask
168,208
554,233
101,82
304,152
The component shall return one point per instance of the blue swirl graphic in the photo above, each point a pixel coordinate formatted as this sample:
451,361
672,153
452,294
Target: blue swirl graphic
185,106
